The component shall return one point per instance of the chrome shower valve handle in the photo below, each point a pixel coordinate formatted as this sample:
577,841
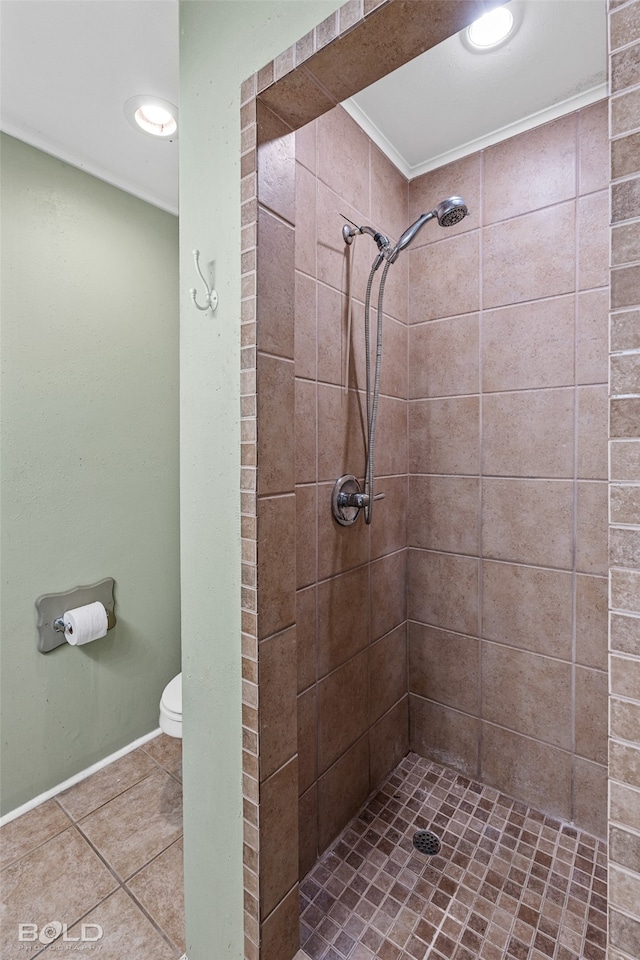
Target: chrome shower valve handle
348,499
358,500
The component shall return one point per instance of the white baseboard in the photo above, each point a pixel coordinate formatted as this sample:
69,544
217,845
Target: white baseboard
31,804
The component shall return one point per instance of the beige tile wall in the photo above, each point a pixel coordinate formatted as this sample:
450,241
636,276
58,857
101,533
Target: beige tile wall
351,597
507,532
624,487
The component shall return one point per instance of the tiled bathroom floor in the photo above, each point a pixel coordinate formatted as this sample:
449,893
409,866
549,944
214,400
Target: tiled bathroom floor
509,883
108,853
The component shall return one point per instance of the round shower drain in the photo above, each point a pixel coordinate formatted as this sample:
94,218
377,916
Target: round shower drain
426,842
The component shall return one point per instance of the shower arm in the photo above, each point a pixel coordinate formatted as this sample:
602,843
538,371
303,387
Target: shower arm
383,242
349,232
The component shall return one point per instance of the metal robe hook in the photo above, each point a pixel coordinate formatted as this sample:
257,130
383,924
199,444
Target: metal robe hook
211,297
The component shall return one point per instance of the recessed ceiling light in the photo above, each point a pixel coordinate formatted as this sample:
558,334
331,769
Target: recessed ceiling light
491,29
152,115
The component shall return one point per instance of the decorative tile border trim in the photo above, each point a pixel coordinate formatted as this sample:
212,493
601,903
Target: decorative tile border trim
624,486
248,520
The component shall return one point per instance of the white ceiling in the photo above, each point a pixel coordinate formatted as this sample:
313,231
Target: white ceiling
452,101
68,66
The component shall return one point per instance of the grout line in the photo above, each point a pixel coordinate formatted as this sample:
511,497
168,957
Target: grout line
574,545
494,308
50,836
314,784
407,482
369,615
514,562
125,789
149,917
480,466
97,852
518,390
161,766
67,815
567,661
548,744
55,945
137,873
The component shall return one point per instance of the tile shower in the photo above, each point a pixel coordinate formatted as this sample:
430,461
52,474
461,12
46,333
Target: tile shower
507,403
487,616
468,624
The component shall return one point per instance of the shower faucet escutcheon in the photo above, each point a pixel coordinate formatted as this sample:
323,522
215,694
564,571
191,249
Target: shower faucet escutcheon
348,499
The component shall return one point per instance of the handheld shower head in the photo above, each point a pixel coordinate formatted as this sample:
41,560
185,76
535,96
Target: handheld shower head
448,212
410,234
451,211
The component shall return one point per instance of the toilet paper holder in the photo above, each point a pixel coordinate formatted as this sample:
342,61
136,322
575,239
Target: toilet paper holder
51,608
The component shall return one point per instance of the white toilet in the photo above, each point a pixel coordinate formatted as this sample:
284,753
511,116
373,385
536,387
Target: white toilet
171,708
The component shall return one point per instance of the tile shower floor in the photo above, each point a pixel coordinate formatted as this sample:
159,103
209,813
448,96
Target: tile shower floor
509,883
107,852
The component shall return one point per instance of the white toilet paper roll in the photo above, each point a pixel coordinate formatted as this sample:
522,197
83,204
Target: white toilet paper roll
85,624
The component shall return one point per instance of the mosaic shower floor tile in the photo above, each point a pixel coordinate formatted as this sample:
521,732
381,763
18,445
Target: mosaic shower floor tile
509,882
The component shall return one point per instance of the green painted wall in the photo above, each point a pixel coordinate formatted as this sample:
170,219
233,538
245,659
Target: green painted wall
89,462
222,43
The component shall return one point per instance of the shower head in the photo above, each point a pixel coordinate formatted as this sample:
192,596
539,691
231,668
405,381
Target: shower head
451,211
447,213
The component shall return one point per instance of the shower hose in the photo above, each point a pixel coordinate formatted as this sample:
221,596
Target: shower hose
372,396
